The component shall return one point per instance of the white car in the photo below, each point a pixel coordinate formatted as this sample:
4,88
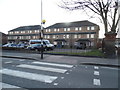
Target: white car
10,45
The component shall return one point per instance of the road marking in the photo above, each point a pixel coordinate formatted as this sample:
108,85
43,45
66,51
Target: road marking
96,82
96,73
8,62
55,83
110,68
95,67
4,85
31,76
43,68
54,64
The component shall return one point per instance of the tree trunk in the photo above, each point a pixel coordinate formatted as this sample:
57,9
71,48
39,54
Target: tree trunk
109,45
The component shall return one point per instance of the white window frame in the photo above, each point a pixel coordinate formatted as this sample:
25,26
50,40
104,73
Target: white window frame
76,29
68,29
58,29
80,28
88,35
75,36
92,28
65,29
88,28
92,35
55,30
49,30
67,36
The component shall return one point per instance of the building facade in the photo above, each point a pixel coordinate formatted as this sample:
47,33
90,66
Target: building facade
3,38
69,34
60,34
24,34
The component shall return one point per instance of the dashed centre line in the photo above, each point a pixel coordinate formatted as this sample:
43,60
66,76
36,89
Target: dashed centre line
96,73
96,82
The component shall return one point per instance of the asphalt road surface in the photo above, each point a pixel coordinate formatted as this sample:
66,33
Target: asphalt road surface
22,73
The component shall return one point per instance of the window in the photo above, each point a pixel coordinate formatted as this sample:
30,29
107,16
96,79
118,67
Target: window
48,36
55,29
16,31
44,36
30,31
58,29
80,28
65,29
75,36
79,36
67,36
88,28
88,36
92,28
53,36
49,30
76,29
68,29
46,30
63,36
92,35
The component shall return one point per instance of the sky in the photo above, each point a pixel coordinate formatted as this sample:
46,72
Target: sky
16,13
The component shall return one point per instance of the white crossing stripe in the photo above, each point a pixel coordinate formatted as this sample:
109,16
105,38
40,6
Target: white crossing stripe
42,68
95,67
4,85
96,73
31,76
54,64
96,82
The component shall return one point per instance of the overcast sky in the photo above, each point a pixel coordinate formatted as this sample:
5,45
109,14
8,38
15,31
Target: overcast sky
16,13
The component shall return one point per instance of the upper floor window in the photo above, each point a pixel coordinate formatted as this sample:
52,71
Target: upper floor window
16,31
46,30
55,29
49,30
76,28
63,36
58,29
10,32
88,28
65,29
92,28
68,29
30,31
80,28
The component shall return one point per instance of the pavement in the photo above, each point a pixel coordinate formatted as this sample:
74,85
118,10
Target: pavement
63,59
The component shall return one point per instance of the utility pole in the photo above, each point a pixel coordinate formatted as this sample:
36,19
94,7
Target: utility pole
41,34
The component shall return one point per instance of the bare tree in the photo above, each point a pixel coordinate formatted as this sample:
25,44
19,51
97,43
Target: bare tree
107,10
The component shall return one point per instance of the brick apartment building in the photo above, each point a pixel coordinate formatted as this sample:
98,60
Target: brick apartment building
67,34
24,34
3,38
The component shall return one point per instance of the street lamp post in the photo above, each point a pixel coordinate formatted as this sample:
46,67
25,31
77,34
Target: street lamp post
41,34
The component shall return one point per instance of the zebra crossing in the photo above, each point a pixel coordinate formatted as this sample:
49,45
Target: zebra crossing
55,68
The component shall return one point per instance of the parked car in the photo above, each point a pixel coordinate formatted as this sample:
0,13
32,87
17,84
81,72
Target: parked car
46,44
10,45
22,45
36,47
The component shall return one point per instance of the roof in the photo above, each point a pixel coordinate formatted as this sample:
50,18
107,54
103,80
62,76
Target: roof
72,24
32,27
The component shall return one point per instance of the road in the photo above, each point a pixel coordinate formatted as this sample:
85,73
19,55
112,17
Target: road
23,73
